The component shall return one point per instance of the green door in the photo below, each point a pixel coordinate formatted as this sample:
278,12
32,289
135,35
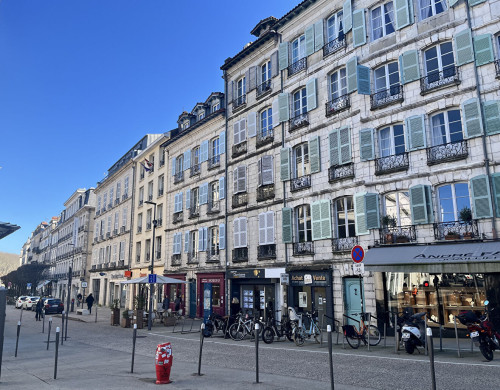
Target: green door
353,296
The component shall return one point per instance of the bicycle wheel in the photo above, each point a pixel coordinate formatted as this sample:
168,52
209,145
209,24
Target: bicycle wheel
299,337
237,332
268,335
317,332
288,331
374,335
351,337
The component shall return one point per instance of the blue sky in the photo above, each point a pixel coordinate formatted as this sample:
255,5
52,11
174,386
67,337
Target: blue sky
82,80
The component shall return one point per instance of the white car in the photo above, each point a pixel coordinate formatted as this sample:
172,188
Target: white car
20,300
30,303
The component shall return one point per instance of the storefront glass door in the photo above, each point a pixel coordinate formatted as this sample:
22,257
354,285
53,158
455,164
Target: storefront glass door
255,298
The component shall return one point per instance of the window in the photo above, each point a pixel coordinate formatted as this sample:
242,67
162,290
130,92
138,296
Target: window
334,27
148,250
98,203
139,222
266,122
299,102
240,179
150,191
451,199
240,232
141,196
429,8
298,48
439,59
193,244
213,241
301,160
111,196
303,223
216,106
138,252
118,190
382,19
161,185
338,84
214,193
214,150
241,86
265,170
159,214
125,187
201,115
179,163
122,251
158,247
195,156
124,218
387,80
392,140
149,218
265,72
446,127
397,205
195,195
185,124
344,211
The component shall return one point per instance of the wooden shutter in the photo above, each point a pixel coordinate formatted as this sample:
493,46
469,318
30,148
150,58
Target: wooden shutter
334,147
187,159
480,191
274,64
367,150
204,151
173,166
270,227
176,203
230,89
222,236
452,3
463,47
204,193
352,74
186,242
372,211
491,111
358,28
363,80
408,65
419,204
311,97
243,232
285,164
326,219
236,133
243,130
318,35
495,181
415,132
309,33
316,220
222,142
473,124
402,13
242,179
236,233
180,201
276,110
222,187
286,225
188,199
252,124
205,238
315,154
360,213
200,240
252,78
174,244
266,170
472,3
347,15
283,55
262,229
235,180
345,145
483,49
284,114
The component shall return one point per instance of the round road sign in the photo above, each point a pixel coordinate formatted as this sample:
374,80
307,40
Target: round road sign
357,254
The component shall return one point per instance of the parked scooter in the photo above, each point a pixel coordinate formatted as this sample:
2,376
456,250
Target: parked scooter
413,332
216,323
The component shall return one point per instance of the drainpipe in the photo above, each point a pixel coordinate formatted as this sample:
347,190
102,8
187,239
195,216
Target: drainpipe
226,256
483,136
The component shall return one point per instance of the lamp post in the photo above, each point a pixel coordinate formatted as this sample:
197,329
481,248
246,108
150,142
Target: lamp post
70,279
151,285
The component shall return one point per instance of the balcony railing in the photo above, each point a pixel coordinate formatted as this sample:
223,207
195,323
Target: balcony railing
213,257
121,263
264,139
297,66
158,254
178,217
334,46
108,234
239,149
115,232
160,191
122,229
303,248
213,162
344,244
265,192
176,259
264,88
141,202
162,162
456,230
299,121
390,164
392,95
194,211
240,254
300,183
340,172
337,105
159,222
148,226
178,177
195,170
240,199
124,197
193,258
436,80
213,207
447,152
397,234
239,101
497,68
117,201
266,251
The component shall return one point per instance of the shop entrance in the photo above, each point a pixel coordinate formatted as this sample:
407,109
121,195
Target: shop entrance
309,298
256,297
192,299
353,298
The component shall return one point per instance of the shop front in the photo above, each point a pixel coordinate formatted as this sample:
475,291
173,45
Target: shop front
211,293
176,293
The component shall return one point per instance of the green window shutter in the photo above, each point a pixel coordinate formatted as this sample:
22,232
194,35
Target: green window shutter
483,49
372,211
285,164
352,74
316,220
358,28
428,204
491,111
347,15
418,204
452,3
415,131
463,47
402,13
318,35
334,147
345,145
495,181
480,191
360,213
408,65
283,55
312,101
367,150
314,154
363,80
309,33
286,225
326,219
473,124
472,3
284,114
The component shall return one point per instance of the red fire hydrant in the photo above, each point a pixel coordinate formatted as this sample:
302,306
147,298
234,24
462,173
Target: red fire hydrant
163,363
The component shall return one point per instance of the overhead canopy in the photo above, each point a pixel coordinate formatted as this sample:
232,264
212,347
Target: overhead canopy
42,284
7,228
468,258
159,280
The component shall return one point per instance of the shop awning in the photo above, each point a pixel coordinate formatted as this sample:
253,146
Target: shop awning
159,280
474,257
42,284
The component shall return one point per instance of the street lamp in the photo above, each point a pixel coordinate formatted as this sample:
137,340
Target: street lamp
151,285
70,279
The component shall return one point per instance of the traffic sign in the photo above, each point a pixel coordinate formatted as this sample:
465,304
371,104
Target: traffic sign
29,285
84,284
357,254
358,268
152,278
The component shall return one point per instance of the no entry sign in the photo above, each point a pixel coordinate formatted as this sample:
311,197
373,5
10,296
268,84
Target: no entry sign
358,254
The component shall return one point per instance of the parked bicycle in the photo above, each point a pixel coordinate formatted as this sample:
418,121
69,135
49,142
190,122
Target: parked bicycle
243,326
277,329
355,336
216,323
306,328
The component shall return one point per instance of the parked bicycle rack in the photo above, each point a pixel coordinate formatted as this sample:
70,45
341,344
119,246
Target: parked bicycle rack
183,323
336,326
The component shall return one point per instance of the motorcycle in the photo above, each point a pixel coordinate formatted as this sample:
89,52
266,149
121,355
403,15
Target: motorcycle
215,323
413,332
481,331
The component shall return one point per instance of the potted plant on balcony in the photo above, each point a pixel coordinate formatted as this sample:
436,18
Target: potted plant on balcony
139,305
452,235
389,221
125,319
465,215
115,312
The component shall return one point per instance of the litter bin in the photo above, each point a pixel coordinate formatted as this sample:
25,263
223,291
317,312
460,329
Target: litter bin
163,363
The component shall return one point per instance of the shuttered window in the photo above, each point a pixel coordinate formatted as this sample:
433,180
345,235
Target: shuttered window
366,212
473,123
410,69
347,14
463,47
178,202
265,170
428,8
352,74
421,205
222,236
285,164
239,180
415,127
480,191
283,55
240,232
483,48
358,27
239,132
286,225
204,193
315,155
266,228
366,144
491,111
252,124
339,141
382,20
284,109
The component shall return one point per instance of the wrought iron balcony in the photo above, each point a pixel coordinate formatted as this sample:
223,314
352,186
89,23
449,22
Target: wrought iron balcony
141,202
108,234
447,152
297,66
193,258
213,207
397,234
159,222
340,172
160,191
213,257
266,252
344,244
176,259
337,105
194,211
240,254
303,248
195,170
392,95
299,121
239,149
497,68
239,101
121,263
178,217
265,192
334,46
390,164
178,177
148,226
122,229
124,197
456,230
436,80
240,199
264,139
264,88
213,162
115,232
300,183
117,201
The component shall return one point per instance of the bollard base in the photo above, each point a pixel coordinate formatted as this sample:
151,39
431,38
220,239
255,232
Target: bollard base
196,374
163,382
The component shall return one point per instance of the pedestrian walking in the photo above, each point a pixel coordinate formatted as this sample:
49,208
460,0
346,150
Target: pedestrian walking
166,303
178,303
38,309
90,302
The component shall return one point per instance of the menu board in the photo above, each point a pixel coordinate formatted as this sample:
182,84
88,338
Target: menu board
247,299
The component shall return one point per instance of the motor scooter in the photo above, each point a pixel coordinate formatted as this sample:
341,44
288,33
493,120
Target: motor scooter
413,332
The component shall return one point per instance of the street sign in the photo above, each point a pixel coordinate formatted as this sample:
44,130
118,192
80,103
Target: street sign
152,278
84,284
357,254
358,268
29,285
284,279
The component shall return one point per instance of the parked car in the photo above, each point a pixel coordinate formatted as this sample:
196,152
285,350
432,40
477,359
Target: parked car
30,302
20,300
53,305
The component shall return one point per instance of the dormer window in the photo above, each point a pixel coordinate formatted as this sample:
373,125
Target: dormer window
201,115
185,125
216,106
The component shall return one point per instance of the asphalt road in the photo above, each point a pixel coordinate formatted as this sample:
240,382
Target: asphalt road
99,355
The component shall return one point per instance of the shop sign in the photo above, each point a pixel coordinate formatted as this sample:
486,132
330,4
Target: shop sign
284,279
257,273
213,280
308,279
127,274
312,278
116,276
84,284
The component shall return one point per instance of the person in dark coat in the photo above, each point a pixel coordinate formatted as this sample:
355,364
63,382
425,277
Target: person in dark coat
90,302
39,309
166,303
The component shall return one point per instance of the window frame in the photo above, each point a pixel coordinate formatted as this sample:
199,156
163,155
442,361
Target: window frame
398,206
337,83
433,8
333,32
241,88
439,57
213,247
268,112
346,211
446,124
305,166
383,16
265,71
392,139
307,223
299,103
456,210
298,49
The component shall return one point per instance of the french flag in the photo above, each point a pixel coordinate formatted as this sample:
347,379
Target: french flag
148,166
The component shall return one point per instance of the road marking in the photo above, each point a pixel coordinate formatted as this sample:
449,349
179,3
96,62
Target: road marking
333,353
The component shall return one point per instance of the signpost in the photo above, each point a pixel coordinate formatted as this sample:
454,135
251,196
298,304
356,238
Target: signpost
357,255
84,286
152,278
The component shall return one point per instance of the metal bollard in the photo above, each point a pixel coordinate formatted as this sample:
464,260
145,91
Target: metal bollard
430,348
66,327
133,348
330,358
368,330
456,336
396,339
17,338
95,313
202,335
43,324
48,333
425,326
257,352
343,336
21,316
62,327
440,338
57,352
385,334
